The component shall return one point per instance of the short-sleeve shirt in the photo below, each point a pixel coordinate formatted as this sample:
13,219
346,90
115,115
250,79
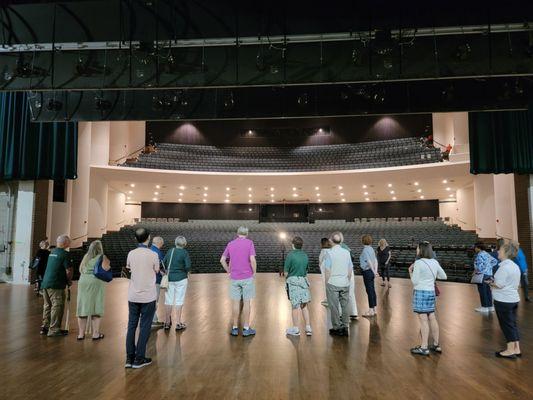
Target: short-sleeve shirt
143,264
239,252
55,276
339,262
296,263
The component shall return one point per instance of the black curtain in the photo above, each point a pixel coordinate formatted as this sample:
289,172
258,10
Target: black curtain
34,150
501,142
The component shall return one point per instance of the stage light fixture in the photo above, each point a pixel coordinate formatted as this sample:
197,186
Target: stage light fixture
54,105
229,101
463,51
303,100
101,104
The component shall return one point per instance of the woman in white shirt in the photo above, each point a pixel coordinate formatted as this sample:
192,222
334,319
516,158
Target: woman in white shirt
506,298
424,272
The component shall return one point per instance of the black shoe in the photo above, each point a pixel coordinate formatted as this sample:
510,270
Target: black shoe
353,317
344,332
44,330
141,362
129,362
61,332
335,332
528,299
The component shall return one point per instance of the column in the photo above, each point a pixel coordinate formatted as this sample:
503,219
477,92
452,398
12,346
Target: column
484,206
22,239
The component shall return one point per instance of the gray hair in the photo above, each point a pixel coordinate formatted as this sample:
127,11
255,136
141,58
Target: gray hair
180,241
510,249
158,240
336,237
95,249
243,231
63,240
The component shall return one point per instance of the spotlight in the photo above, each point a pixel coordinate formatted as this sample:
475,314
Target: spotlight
229,101
282,235
54,105
303,100
101,104
462,52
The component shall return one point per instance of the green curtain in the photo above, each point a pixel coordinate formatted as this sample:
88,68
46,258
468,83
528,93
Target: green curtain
34,150
501,142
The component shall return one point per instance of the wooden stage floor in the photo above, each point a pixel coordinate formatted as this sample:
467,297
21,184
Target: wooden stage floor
204,362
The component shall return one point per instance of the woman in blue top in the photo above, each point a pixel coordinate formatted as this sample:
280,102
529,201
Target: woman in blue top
369,265
483,265
177,264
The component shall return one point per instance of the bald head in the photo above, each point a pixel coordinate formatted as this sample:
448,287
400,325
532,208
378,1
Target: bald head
63,241
336,237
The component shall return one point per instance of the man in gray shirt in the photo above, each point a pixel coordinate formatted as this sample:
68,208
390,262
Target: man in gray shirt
338,269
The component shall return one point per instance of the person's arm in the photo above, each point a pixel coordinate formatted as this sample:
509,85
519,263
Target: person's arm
106,264
350,267
414,272
187,262
253,263
224,260
287,265
128,265
389,257
477,264
326,263
374,264
155,262
441,274
500,278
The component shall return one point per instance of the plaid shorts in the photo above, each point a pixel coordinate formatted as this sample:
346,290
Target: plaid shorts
423,301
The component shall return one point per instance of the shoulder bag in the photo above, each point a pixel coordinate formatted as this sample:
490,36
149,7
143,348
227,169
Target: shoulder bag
437,290
164,279
100,273
477,278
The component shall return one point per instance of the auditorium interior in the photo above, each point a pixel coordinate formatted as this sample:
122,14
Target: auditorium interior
406,121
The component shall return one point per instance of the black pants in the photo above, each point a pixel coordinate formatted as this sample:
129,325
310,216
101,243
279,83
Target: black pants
145,313
368,279
525,283
506,313
384,271
485,294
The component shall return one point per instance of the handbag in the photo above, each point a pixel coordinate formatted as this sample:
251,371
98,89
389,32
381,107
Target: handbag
477,278
437,290
100,273
164,279
35,263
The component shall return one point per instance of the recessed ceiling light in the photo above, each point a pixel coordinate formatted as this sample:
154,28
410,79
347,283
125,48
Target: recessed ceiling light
157,186
419,190
389,185
366,193
204,200
180,200
293,189
342,194
416,183
340,187
394,198
317,188
227,194
227,188
205,194
182,187
448,189
156,193
249,195
318,195
320,209
367,199
226,201
295,195
271,189
364,186
130,192
249,209
421,197
451,195
343,200
132,184
249,189
180,194
206,188
249,201
272,195
129,198
154,199
272,201
444,181
319,200
392,192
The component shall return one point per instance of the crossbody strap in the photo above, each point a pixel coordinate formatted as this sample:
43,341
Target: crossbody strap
434,276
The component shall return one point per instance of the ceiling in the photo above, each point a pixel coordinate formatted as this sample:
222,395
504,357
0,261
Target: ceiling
432,181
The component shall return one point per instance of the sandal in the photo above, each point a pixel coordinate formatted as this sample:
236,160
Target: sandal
418,350
100,336
436,348
166,327
181,326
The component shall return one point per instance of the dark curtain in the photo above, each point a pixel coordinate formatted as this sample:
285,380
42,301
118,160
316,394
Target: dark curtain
34,150
501,142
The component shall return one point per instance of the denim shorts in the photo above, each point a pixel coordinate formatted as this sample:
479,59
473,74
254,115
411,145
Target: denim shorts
242,289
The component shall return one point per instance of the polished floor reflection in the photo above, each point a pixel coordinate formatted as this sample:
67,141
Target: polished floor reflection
204,362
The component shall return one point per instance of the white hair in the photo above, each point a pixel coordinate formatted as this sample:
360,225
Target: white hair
63,240
243,231
158,240
180,241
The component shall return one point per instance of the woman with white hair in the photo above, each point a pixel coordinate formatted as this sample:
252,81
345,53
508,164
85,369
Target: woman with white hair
506,298
177,264
91,291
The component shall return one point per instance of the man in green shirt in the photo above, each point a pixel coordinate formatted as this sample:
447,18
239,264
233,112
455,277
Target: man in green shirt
56,278
296,266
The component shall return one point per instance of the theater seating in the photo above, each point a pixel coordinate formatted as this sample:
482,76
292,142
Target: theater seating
379,154
207,239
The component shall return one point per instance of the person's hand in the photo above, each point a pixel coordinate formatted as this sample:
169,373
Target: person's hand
69,283
411,268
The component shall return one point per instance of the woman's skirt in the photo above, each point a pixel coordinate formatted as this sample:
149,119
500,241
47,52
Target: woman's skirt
423,301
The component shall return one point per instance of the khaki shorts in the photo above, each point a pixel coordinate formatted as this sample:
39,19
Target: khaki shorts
242,289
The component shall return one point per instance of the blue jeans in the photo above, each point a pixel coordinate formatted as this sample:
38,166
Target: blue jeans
143,312
368,279
485,294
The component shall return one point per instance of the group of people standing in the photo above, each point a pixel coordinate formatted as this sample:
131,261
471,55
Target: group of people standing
151,269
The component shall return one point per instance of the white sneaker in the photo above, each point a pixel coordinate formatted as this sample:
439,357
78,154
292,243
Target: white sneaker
309,330
491,309
482,309
294,331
